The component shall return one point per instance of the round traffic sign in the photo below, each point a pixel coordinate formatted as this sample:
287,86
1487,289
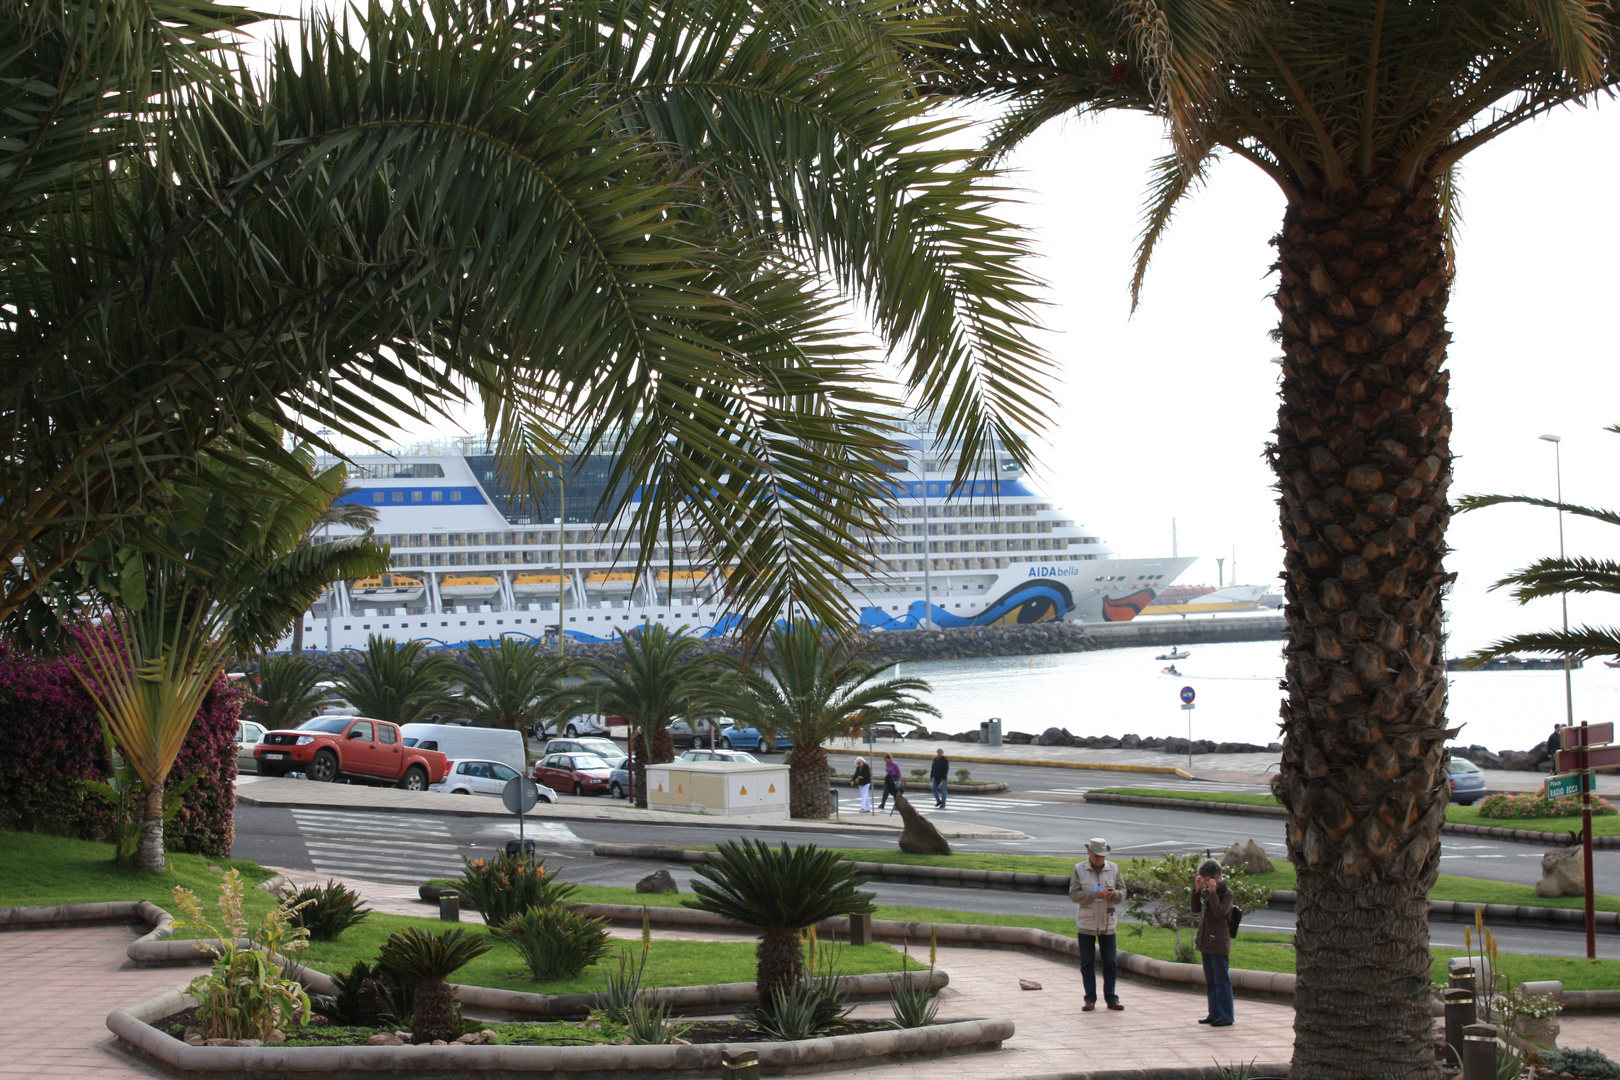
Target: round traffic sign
520,794
1187,695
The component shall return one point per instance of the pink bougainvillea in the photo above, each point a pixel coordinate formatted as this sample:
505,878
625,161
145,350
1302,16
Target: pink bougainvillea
53,744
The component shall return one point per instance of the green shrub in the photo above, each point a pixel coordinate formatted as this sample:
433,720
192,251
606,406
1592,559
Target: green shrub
357,1002
509,885
431,959
647,1022
244,995
557,942
801,1011
1505,806
326,910
1590,1063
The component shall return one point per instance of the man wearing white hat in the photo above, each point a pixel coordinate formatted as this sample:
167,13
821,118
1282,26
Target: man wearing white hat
1099,888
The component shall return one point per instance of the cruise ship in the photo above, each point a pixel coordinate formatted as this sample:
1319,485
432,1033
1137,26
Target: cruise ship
472,564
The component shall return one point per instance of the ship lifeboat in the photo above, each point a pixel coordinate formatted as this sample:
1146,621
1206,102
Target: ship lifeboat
388,590
541,586
685,581
465,588
610,582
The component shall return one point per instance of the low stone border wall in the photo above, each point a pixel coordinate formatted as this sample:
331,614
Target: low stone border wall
1530,836
1463,911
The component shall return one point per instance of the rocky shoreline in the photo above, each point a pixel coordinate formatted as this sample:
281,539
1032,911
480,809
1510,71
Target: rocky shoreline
1062,737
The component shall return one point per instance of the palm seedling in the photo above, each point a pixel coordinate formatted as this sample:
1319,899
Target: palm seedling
779,891
326,910
432,958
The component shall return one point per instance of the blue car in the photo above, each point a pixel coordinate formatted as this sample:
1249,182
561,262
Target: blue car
748,738
1467,781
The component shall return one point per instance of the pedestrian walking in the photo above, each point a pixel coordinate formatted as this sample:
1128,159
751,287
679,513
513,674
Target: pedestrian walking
1212,902
1099,888
862,780
891,780
938,773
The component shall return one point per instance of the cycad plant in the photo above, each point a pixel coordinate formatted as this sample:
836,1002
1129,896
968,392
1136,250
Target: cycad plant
817,687
286,693
432,959
505,685
396,682
779,891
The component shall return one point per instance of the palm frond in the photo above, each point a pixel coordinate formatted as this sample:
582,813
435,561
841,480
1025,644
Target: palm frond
1559,577
1579,642
1174,177
1480,502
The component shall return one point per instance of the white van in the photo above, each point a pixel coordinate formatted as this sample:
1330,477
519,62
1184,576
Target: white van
456,742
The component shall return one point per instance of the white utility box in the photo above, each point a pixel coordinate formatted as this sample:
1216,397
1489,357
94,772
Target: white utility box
727,788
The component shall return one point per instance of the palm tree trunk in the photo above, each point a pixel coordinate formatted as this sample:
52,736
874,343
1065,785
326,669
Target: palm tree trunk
149,854
434,1014
780,962
298,635
1363,462
809,783
663,751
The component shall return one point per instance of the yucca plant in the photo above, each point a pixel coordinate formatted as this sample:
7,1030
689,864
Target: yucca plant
326,910
915,1003
557,942
779,891
432,958
509,885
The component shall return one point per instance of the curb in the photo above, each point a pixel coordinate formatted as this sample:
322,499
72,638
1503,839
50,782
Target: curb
1493,832
1463,911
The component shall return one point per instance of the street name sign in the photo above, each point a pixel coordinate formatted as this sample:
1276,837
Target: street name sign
1590,735
1560,786
1596,757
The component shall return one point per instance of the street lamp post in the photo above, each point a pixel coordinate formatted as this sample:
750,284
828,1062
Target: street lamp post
1558,474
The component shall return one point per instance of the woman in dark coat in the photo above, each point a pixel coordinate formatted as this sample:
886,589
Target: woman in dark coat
863,780
1212,902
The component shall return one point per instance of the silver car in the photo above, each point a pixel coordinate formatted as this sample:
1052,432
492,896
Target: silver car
248,735
479,777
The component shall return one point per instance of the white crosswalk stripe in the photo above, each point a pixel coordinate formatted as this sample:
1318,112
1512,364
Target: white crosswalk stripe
385,846
981,803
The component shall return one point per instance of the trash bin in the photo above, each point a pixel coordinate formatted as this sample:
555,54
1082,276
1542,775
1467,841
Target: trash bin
990,731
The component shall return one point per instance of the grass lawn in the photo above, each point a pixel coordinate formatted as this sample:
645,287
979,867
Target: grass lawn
1457,815
673,963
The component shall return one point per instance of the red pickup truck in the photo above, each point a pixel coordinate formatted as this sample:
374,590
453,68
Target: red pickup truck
353,747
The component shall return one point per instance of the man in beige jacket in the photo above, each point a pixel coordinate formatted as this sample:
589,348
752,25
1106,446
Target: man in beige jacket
1098,887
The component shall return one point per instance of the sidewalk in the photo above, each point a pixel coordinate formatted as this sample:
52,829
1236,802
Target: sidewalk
306,794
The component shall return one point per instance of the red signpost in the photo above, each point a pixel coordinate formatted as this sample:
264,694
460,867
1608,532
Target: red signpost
1586,748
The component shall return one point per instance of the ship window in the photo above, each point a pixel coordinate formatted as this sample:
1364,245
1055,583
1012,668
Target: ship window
455,496
399,496
437,496
365,627
441,624
463,622
480,622
376,496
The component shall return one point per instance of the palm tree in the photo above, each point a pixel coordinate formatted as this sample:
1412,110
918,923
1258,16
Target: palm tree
308,244
1360,112
819,688
288,692
654,681
396,682
347,515
507,685
778,891
432,959
1558,576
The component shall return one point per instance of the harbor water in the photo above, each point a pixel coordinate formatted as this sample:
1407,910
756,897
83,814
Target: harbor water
1121,691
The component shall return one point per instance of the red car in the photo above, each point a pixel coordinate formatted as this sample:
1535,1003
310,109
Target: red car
583,774
352,747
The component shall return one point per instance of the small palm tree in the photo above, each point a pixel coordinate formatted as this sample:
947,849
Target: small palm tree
506,686
288,692
432,959
395,682
820,688
779,891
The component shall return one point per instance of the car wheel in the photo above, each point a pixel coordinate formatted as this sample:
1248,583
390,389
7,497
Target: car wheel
324,769
573,732
725,743
616,791
577,789
461,791
415,779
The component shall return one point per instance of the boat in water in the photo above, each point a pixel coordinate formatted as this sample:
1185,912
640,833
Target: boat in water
471,563
1516,663
1174,654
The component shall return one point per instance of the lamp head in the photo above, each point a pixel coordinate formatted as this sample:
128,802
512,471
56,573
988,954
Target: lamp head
1551,439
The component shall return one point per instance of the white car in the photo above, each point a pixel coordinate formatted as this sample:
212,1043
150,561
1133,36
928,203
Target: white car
248,735
478,777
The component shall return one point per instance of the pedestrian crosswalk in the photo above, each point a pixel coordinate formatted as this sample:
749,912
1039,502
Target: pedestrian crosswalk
957,803
382,846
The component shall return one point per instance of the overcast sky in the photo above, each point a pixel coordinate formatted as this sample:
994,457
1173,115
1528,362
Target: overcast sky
1164,415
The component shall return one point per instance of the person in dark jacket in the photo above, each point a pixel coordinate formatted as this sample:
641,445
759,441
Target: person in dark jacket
937,775
891,780
862,781
1212,902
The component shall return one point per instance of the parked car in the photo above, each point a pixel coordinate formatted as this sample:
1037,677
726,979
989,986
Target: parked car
619,781
457,743
753,739
248,735
718,755
1467,781
329,748
475,777
686,734
582,774
606,749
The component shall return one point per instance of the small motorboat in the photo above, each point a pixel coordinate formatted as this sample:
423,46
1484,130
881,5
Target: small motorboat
1171,670
1174,654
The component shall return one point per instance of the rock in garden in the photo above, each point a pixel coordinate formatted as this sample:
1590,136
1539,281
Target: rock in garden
385,1038
192,1037
1028,984
919,837
660,882
1250,856
275,1038
1562,873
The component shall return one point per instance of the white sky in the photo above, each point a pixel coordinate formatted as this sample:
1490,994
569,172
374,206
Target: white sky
1165,414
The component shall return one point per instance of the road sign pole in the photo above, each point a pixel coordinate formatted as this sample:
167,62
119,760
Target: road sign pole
1587,780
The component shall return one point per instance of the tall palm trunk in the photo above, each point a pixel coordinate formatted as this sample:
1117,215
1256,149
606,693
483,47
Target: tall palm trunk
1363,463
809,783
149,854
433,1014
780,962
663,751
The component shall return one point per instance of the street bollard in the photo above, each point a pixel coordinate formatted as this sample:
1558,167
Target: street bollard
1479,1052
860,929
450,906
743,1066
1462,978
1459,1014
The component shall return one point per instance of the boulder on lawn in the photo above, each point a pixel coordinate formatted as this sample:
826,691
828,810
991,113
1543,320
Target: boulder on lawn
1562,873
661,881
1250,856
919,837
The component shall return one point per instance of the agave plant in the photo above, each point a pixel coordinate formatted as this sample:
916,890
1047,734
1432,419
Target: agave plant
780,891
432,958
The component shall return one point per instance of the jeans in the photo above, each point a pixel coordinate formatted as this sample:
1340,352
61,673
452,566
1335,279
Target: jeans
889,788
866,798
938,787
1218,977
1088,965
